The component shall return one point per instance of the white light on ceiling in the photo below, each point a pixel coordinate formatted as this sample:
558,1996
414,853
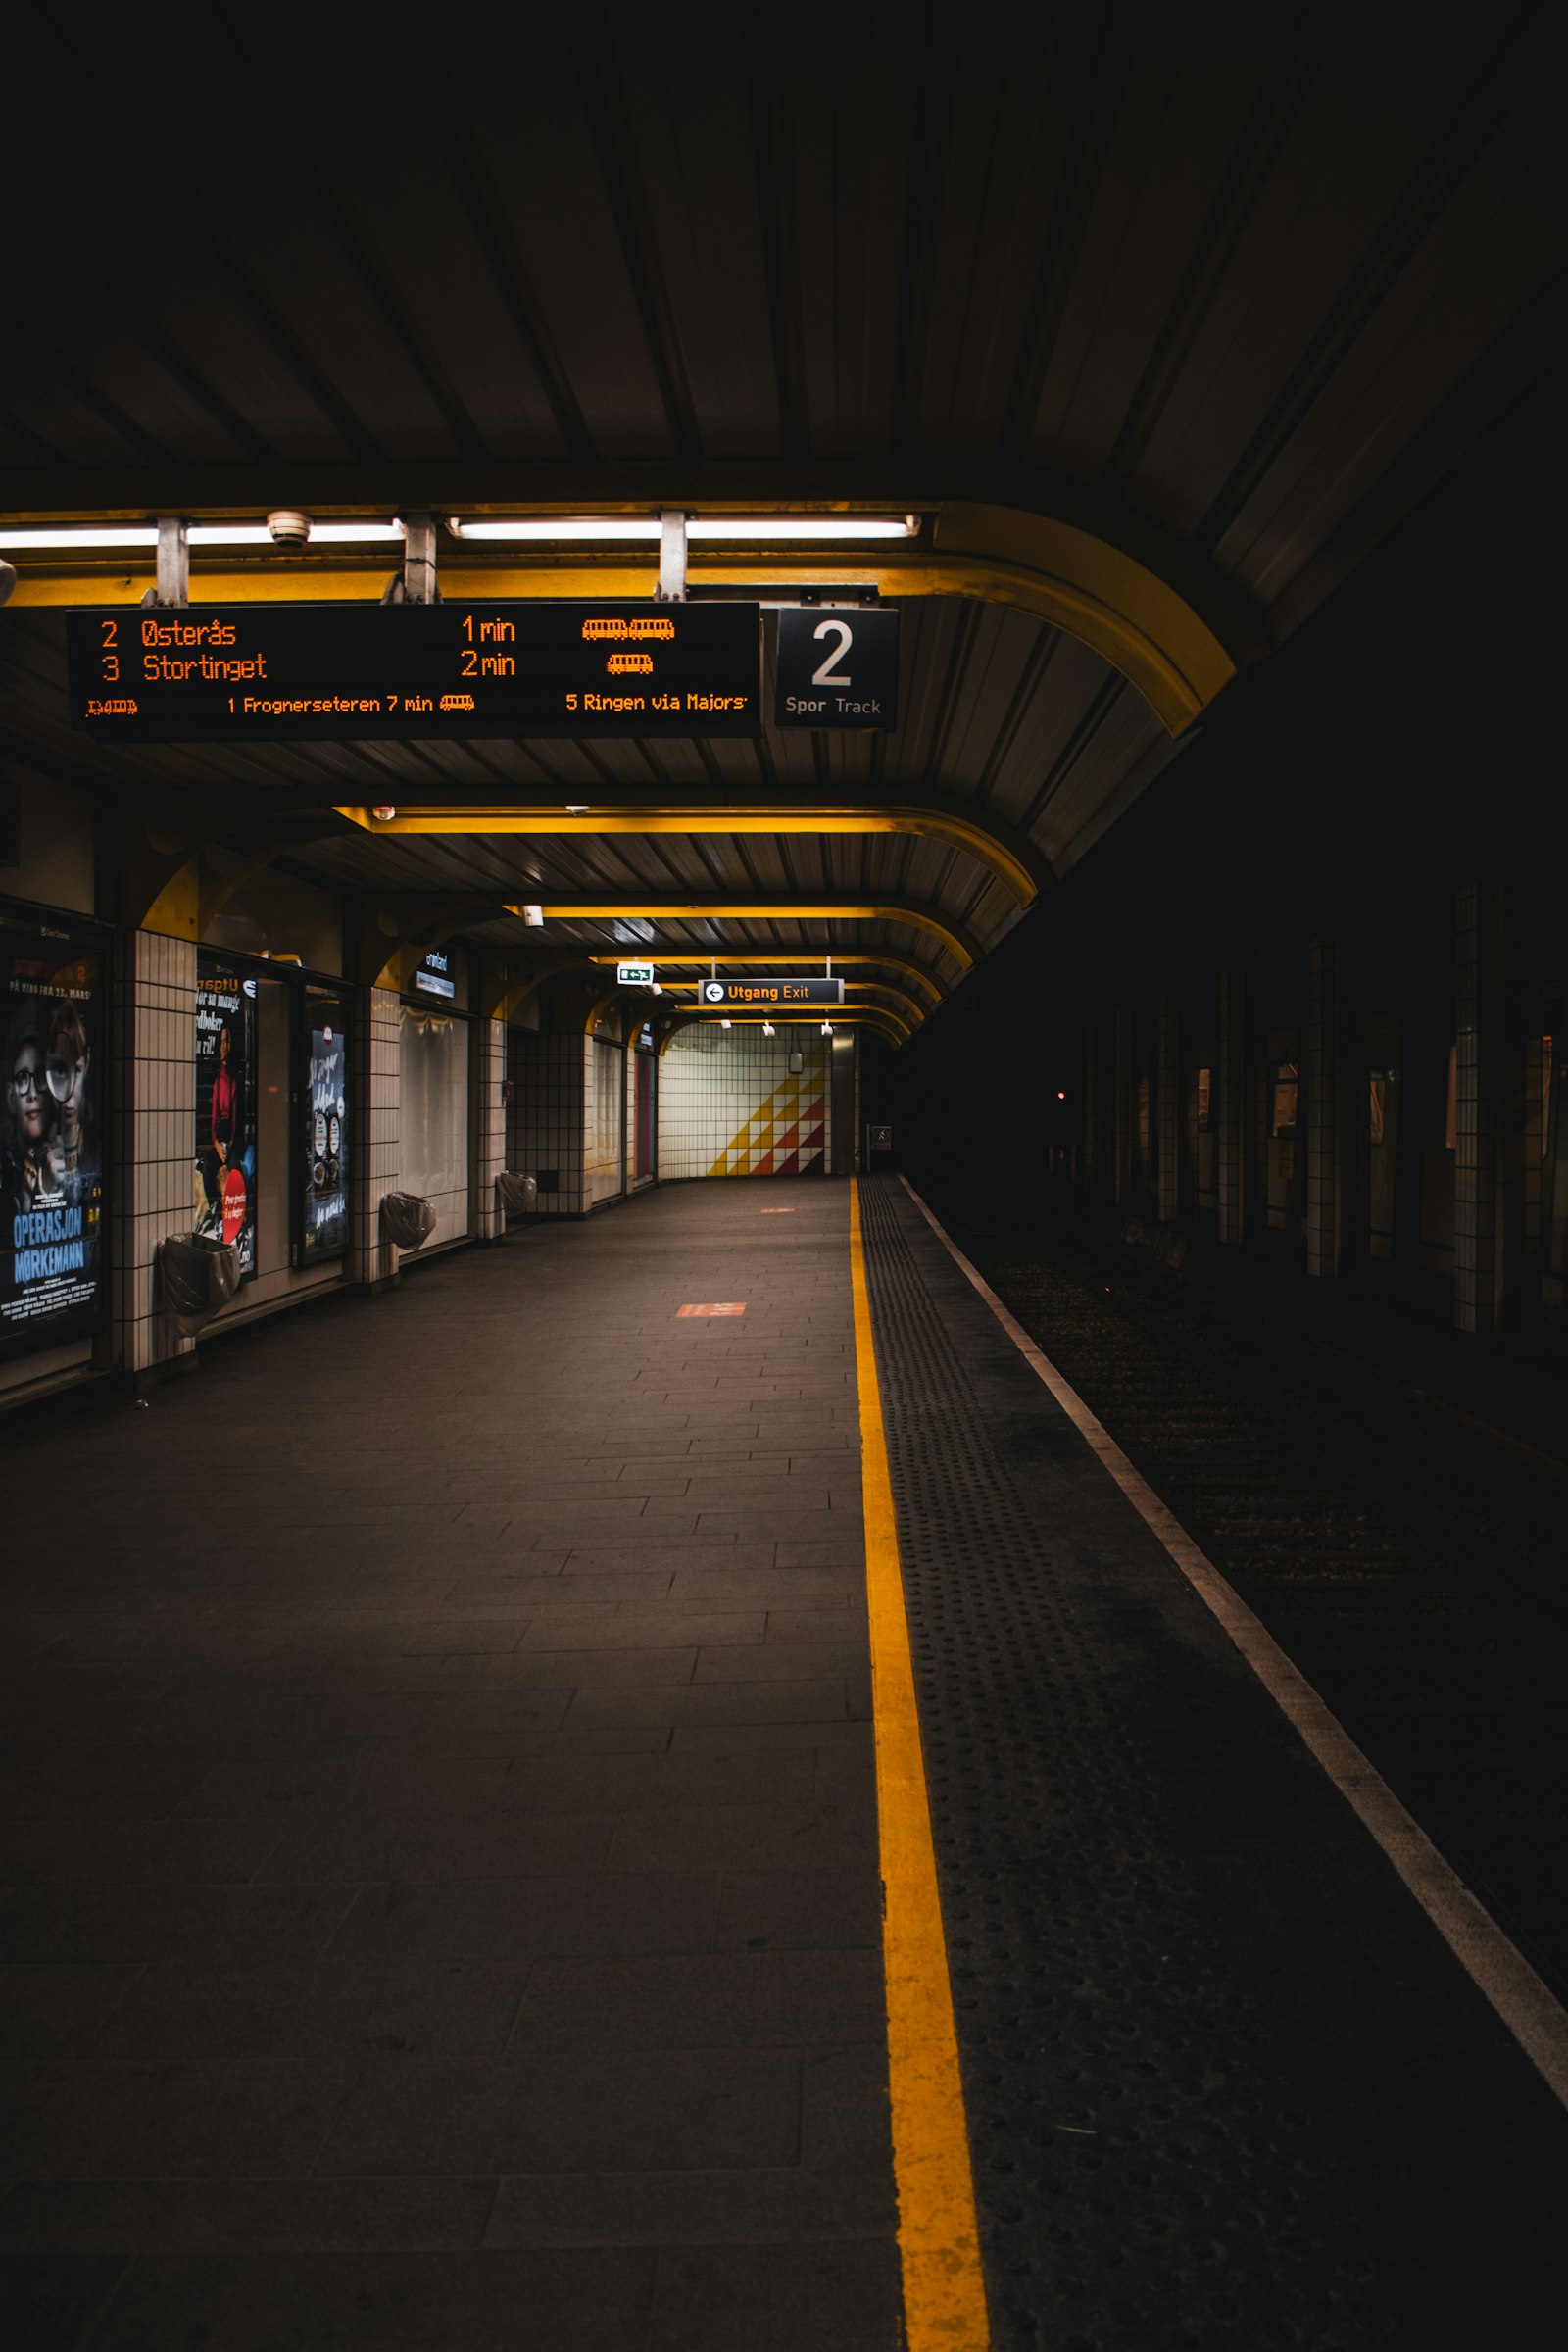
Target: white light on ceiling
115,534
761,529
555,527
259,534
811,527
607,529
66,541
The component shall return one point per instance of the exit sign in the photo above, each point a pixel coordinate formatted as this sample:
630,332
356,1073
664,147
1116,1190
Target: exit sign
635,975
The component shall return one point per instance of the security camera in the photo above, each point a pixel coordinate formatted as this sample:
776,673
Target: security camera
289,529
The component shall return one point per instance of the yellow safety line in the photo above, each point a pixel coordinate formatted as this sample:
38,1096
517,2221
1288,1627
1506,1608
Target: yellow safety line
939,2244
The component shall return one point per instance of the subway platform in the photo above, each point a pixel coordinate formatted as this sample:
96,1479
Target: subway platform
444,1900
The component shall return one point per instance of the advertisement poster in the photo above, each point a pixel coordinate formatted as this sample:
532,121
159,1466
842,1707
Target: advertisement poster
325,1138
226,1110
53,1200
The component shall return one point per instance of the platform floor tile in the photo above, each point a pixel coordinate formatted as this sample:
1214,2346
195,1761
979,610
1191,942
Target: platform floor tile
438,1877
1226,2084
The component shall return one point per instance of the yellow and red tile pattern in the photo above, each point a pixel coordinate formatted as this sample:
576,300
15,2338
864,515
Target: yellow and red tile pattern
787,1136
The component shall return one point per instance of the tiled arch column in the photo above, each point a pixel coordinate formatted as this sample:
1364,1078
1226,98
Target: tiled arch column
374,1080
155,1125
489,1127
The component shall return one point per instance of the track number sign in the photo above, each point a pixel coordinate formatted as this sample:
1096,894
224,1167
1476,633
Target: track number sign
837,668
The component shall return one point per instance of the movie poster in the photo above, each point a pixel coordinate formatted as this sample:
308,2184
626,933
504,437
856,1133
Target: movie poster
53,1197
226,1110
324,1129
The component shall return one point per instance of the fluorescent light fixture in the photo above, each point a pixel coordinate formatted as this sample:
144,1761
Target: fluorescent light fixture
65,541
555,527
813,527
259,534
758,530
534,917
344,534
108,534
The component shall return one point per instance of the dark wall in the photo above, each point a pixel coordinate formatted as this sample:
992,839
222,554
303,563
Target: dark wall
1407,739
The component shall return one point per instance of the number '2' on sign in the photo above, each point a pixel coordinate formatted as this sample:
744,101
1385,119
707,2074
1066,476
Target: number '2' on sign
837,668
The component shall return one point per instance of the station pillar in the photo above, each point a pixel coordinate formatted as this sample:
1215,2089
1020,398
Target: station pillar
489,1130
1338,1093
1236,1108
1125,1171
1170,1109
1498,1107
155,1119
1093,1144
372,1260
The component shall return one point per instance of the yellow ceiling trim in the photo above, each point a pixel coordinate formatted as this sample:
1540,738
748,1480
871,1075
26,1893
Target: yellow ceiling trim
1021,869
1094,591
952,936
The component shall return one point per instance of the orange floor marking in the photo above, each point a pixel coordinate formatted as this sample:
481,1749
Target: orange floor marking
729,1307
939,2240
778,1213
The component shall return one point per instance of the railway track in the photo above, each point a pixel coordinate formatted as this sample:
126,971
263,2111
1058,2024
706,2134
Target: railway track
1417,1579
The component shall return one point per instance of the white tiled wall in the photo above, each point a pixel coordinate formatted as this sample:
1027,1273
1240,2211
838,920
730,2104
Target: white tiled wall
729,1105
545,1120
650,1063
155,1095
489,1128
377,1133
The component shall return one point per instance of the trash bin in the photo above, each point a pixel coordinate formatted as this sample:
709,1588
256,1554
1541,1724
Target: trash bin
196,1279
518,1195
408,1219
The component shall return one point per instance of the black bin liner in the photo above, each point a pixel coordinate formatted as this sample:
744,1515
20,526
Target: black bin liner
196,1279
408,1219
518,1195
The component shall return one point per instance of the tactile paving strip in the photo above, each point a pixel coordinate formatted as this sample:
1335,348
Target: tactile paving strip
1157,2160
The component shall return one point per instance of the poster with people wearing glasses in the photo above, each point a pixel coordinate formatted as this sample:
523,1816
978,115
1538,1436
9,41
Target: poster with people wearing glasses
324,1160
52,1192
226,1110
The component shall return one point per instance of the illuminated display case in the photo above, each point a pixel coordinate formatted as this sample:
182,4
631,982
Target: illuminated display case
54,1131
320,1097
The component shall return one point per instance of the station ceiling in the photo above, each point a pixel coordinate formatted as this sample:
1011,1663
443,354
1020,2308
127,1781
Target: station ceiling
1157,318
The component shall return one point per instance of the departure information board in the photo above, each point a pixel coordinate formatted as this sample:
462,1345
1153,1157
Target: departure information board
260,673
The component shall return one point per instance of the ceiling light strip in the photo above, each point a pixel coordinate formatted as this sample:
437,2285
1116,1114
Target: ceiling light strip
611,529
85,539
